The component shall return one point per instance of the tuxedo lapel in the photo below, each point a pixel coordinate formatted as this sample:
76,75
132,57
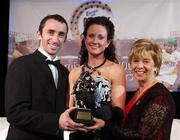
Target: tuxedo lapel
43,66
60,76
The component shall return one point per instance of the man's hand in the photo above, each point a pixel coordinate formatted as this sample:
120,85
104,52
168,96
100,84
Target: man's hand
66,123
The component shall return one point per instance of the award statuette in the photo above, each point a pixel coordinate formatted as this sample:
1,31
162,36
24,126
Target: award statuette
83,115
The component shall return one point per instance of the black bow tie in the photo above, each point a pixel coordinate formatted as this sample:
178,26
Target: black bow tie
55,63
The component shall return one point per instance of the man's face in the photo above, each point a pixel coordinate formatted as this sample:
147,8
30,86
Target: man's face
169,48
53,36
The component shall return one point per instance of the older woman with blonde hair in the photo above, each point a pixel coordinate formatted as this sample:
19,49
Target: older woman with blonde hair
150,112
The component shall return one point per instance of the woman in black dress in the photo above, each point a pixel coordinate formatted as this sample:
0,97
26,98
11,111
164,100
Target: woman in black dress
99,83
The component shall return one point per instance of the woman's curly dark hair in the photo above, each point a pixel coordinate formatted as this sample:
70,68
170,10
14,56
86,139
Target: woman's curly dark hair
110,50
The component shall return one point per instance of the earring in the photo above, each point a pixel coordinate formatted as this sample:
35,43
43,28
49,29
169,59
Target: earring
155,71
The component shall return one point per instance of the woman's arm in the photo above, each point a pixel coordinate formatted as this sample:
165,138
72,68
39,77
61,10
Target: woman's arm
118,92
73,75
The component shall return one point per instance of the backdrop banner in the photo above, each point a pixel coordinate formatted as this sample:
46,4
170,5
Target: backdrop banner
157,20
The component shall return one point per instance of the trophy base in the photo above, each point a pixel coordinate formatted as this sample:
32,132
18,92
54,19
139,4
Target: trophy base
83,115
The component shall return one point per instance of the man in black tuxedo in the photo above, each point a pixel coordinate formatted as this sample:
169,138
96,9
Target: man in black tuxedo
36,88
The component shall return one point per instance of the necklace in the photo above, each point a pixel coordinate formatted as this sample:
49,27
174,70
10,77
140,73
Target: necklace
95,68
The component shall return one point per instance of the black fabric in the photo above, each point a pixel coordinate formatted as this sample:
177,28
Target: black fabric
33,104
117,114
89,92
81,136
84,90
55,63
149,119
86,86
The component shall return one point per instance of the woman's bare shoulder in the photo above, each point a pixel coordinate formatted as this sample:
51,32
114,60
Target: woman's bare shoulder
115,67
75,72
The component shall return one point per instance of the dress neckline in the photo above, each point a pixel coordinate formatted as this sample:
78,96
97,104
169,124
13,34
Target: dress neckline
136,100
93,69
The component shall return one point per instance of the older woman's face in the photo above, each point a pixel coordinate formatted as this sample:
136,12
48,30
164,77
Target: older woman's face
143,67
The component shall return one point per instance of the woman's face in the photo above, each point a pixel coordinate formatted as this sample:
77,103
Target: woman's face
143,67
96,40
